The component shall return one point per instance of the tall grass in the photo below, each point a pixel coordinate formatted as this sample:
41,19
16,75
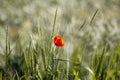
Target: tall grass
45,61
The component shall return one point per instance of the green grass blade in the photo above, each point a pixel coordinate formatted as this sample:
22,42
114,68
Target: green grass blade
43,58
26,61
53,29
6,46
100,64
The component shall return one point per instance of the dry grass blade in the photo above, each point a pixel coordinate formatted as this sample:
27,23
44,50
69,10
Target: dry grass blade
82,25
93,16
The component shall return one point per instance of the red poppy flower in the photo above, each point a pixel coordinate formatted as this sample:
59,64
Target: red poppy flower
58,41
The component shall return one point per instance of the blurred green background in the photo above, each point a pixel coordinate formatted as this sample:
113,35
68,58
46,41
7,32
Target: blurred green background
25,17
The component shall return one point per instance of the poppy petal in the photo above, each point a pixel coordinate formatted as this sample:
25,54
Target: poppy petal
58,41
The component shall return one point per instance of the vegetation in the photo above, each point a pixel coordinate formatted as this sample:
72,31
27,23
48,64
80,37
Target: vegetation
90,29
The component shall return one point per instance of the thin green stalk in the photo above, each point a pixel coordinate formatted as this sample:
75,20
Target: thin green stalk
32,61
18,78
100,64
6,54
43,58
1,76
53,65
52,33
6,46
68,66
50,46
26,61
